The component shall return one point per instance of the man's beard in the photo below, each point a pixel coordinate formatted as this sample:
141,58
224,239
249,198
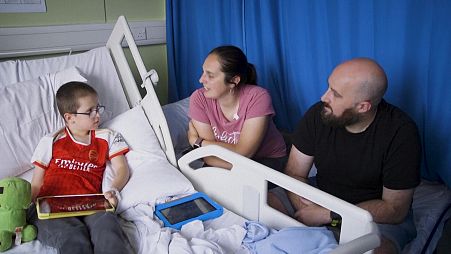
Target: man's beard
348,117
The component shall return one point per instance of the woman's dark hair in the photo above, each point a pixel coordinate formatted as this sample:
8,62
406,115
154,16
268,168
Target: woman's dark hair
234,63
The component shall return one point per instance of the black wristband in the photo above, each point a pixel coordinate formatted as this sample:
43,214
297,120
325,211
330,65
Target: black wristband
198,142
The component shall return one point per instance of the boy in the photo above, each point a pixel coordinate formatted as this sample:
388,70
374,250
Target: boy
72,161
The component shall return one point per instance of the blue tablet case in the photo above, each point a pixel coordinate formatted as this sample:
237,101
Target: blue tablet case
197,206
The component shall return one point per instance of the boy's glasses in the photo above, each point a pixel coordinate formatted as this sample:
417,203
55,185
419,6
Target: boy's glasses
93,113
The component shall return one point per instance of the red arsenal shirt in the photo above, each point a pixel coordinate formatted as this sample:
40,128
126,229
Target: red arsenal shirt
72,167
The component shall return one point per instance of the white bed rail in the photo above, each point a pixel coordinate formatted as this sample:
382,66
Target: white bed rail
120,32
243,190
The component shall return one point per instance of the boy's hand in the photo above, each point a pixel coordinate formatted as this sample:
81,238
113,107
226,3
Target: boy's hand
113,197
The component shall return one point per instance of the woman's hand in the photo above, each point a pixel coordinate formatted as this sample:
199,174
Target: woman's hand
192,133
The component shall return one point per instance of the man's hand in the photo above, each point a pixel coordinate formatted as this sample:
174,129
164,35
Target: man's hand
312,214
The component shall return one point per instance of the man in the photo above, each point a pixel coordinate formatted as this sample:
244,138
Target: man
366,152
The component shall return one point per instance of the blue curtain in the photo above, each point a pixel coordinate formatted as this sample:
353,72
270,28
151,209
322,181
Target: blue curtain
193,29
295,44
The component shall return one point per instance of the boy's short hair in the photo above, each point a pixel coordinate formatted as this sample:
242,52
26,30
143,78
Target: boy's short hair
68,94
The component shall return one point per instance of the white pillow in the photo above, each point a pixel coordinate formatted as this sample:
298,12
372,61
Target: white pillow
96,65
152,177
28,111
137,132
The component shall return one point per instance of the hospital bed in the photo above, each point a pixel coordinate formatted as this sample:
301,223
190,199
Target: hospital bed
28,112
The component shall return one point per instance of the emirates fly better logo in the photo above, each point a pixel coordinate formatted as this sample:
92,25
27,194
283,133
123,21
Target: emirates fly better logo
73,164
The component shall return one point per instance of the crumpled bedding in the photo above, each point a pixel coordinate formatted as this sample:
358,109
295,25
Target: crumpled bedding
314,240
147,236
223,235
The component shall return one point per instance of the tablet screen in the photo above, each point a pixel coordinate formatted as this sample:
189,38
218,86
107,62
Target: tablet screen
187,210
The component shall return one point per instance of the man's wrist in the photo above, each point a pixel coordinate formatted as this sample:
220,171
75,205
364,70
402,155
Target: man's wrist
335,219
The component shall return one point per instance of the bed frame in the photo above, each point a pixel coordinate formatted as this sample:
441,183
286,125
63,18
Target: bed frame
150,102
243,189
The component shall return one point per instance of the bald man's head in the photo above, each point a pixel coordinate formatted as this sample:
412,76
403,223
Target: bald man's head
367,78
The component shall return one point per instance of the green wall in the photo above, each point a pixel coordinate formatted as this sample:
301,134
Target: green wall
68,12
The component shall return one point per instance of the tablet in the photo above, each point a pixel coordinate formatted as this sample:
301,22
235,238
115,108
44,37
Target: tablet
51,207
197,206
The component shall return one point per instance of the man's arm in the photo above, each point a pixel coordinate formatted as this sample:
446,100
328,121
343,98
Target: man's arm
405,158
298,167
392,208
307,212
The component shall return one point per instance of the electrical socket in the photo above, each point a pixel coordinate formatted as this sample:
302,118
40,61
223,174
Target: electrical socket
139,33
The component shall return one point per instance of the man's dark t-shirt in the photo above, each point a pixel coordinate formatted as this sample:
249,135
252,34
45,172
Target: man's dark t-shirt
355,166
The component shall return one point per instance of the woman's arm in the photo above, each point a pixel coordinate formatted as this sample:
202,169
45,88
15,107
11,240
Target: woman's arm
204,128
251,136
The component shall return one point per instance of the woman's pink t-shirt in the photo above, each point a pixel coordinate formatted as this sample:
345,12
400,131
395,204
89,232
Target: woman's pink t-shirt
254,102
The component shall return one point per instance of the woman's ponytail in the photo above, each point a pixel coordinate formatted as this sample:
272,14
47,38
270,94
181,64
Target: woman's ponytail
234,63
251,74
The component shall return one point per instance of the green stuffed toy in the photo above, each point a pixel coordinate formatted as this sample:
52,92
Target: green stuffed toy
15,197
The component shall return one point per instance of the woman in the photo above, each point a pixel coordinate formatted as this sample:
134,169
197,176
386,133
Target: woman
233,112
